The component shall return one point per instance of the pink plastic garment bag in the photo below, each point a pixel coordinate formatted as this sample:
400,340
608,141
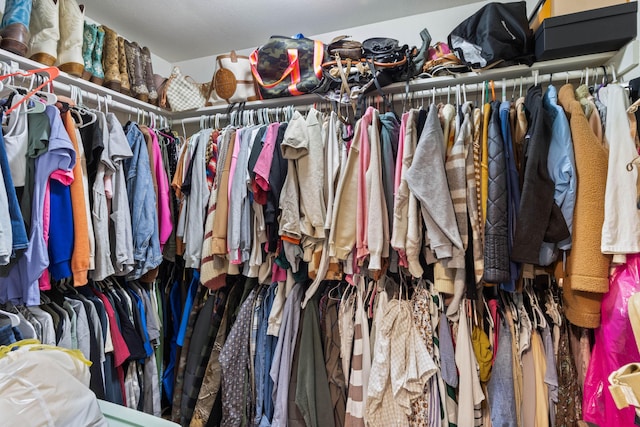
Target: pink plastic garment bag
614,347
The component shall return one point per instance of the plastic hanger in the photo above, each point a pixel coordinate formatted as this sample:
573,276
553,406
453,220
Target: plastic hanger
14,318
76,96
487,312
48,97
538,315
53,72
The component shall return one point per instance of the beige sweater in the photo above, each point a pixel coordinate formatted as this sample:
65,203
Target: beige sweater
343,233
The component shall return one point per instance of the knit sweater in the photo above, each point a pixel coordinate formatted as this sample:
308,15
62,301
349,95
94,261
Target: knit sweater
432,189
587,269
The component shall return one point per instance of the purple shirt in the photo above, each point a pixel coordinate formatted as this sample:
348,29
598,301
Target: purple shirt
21,285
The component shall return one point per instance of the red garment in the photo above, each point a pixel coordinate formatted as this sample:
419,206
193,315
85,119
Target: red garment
120,350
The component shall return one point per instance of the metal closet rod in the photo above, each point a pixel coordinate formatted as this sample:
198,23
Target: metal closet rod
504,88
209,119
142,114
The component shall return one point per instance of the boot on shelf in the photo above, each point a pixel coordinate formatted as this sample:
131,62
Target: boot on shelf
45,31
71,34
14,27
97,76
88,44
125,87
110,60
135,67
148,76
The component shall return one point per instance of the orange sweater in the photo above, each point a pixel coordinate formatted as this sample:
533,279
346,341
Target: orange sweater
586,276
80,255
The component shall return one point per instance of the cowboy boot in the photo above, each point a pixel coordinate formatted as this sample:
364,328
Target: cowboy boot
148,76
125,87
135,67
45,31
110,60
71,34
98,72
88,44
14,27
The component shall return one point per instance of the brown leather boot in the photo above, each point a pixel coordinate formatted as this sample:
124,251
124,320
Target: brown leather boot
135,66
110,60
14,27
148,76
125,87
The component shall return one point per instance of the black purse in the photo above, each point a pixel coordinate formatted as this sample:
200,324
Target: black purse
387,60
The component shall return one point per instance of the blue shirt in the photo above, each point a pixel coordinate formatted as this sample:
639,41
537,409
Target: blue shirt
561,164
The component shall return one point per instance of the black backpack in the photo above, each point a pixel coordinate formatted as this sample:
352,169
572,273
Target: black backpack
497,34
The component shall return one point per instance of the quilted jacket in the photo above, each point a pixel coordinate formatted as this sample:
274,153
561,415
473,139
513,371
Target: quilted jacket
496,237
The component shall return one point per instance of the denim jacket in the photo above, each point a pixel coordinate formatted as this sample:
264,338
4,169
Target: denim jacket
142,204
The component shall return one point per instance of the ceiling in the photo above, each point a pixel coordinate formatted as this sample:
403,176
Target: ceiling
189,29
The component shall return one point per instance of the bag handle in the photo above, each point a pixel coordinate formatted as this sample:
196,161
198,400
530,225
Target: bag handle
163,94
365,61
253,59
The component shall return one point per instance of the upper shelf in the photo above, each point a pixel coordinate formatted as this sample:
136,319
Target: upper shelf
131,105
64,82
543,67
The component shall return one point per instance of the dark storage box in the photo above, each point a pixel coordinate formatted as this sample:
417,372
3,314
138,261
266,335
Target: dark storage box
591,31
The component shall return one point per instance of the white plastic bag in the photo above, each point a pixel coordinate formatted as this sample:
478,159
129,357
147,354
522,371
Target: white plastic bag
43,385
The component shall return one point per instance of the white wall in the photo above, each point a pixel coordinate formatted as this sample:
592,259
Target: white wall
405,30
160,65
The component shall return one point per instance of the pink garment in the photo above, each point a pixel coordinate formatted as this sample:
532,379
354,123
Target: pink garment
65,177
493,309
263,164
165,224
278,274
44,283
362,249
120,350
614,347
108,186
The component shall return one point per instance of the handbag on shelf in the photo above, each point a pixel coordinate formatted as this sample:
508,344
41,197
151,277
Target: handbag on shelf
441,61
387,59
233,80
287,66
182,92
497,34
347,49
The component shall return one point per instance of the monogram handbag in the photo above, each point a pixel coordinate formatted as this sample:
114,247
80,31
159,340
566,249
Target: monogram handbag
182,92
287,66
232,80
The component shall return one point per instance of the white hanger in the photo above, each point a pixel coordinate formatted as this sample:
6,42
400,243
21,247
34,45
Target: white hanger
538,316
14,318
